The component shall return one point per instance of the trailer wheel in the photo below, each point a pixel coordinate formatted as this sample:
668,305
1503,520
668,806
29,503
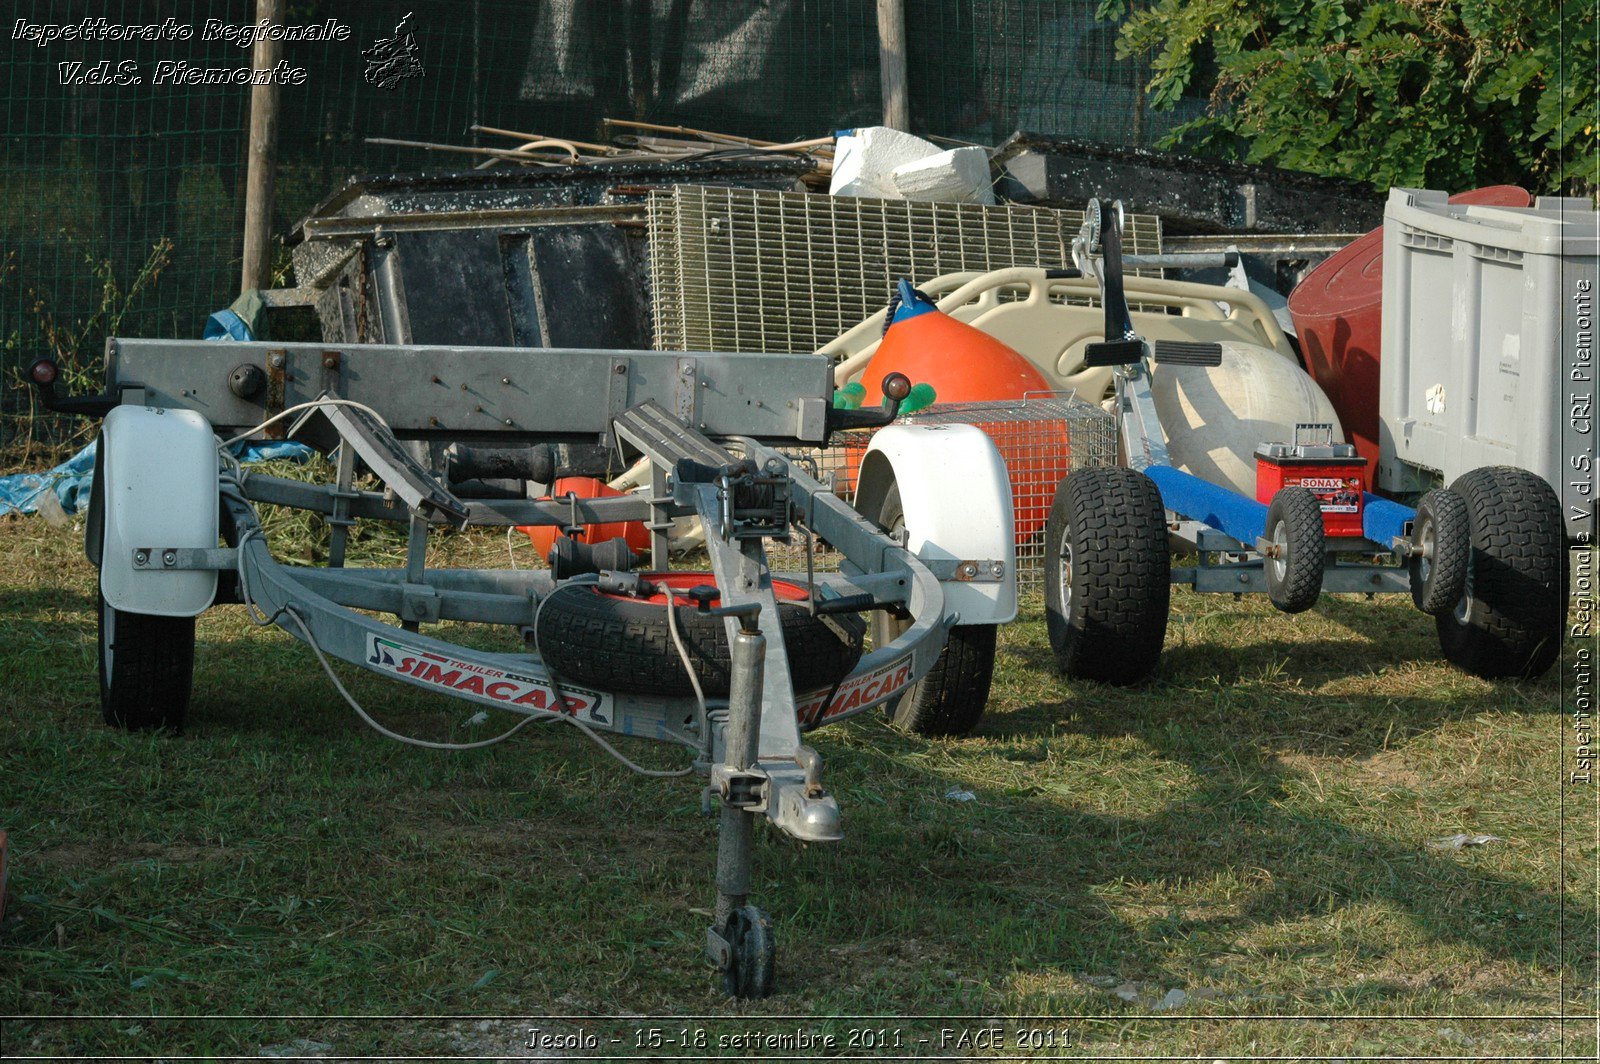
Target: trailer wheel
1107,576
950,698
1508,620
619,643
753,955
1443,531
1294,528
146,669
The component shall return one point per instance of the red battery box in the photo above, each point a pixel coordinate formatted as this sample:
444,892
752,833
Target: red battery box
1333,472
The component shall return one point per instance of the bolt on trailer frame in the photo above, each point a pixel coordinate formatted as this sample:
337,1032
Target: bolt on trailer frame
708,425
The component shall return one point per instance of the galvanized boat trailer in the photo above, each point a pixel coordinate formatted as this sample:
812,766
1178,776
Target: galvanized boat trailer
166,494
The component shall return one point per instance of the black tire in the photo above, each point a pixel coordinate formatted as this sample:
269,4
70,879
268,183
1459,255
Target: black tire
1294,527
146,669
1443,531
1508,622
950,698
1107,576
621,644
754,954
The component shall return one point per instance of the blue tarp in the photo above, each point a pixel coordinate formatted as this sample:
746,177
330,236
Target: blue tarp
70,481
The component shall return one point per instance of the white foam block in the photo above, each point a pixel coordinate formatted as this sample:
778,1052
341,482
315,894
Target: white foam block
960,175
864,161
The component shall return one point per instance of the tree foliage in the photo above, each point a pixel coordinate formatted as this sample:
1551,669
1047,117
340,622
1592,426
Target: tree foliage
1445,94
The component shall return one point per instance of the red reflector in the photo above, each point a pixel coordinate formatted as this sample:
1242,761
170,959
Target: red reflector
43,372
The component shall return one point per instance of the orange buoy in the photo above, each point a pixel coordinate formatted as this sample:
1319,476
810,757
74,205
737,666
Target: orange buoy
964,364
544,536
961,363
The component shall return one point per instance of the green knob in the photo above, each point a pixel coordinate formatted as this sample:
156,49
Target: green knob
922,396
850,396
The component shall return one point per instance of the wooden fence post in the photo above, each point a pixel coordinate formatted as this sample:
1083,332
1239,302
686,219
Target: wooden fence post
263,158
892,64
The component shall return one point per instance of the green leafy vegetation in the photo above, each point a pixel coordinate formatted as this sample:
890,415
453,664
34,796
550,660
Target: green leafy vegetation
1448,94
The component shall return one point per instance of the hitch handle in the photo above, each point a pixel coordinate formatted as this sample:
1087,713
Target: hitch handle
44,373
896,386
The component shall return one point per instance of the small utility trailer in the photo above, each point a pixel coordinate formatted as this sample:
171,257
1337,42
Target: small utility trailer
1484,557
736,664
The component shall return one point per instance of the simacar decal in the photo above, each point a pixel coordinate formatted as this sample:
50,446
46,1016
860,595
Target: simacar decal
856,693
483,682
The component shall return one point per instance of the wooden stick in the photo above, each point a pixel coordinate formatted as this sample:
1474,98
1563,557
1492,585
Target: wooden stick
463,149
726,138
540,136
530,145
263,156
799,145
892,64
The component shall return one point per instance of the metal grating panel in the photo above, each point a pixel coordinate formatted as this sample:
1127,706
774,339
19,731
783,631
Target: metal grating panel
1042,440
736,269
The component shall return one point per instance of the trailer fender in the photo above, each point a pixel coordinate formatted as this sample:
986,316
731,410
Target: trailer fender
156,487
957,501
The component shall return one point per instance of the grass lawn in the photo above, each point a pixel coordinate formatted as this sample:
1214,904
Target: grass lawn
1251,830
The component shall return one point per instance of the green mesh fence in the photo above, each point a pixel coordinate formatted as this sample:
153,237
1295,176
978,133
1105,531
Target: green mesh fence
121,206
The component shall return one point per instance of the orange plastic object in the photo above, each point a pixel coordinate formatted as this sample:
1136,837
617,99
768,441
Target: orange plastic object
681,581
963,364
544,536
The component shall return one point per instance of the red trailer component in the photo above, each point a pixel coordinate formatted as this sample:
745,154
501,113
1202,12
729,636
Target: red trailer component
1338,315
1333,472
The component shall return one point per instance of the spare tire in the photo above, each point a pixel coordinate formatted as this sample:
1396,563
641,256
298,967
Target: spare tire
620,643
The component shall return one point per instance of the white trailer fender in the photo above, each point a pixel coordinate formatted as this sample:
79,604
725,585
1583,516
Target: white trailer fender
158,488
956,497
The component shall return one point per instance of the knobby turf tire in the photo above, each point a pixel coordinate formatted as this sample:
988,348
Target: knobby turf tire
1107,576
146,669
951,696
1444,527
619,644
1294,521
1509,621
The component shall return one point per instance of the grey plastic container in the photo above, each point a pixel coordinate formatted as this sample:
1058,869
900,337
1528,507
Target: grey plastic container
1488,317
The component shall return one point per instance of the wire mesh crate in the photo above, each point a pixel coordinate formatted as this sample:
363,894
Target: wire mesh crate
736,269
1042,438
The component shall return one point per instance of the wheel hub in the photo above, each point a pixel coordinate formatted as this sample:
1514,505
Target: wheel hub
1064,581
1280,553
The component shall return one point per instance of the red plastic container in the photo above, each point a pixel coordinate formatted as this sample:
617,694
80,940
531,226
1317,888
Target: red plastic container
1334,473
1338,315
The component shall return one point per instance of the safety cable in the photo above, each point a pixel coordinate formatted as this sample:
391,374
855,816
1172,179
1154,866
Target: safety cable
511,554
426,744
312,404
561,697
683,654
262,618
